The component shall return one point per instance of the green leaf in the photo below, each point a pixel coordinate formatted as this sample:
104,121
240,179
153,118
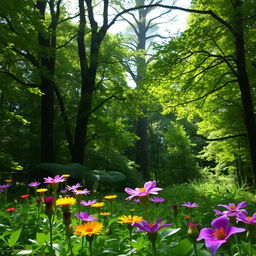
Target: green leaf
112,221
14,237
168,232
183,248
42,238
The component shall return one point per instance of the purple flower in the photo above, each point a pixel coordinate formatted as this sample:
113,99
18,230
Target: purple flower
219,234
34,184
149,188
56,179
190,205
250,220
71,188
63,191
157,200
89,203
5,186
137,200
232,209
84,216
149,227
81,192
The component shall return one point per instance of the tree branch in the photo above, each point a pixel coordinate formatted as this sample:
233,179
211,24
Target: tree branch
66,43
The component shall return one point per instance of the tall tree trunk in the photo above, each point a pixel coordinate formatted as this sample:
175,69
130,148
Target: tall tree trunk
243,81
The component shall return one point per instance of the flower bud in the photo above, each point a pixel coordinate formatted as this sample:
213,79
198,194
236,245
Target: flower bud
192,231
49,203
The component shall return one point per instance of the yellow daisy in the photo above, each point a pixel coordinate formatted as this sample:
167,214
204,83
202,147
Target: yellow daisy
105,213
8,181
88,229
98,205
41,190
66,175
130,219
66,201
111,197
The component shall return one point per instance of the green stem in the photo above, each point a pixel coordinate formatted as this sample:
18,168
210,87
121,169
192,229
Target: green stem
50,225
90,242
154,248
237,244
250,247
195,249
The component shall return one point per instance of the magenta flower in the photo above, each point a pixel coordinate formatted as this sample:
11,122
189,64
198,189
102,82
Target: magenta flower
89,203
137,200
219,234
71,188
250,220
190,205
84,216
149,188
5,186
232,209
149,227
56,179
157,200
34,184
81,192
63,191
49,203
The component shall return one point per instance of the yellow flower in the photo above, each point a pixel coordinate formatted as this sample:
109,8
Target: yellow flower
98,205
41,190
66,175
8,181
105,213
88,229
110,197
130,219
66,201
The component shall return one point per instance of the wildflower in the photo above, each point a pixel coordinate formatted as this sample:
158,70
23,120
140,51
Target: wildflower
8,181
232,209
149,188
41,190
55,180
157,200
34,184
192,231
137,200
84,216
88,229
150,227
39,201
5,186
111,197
250,220
88,203
24,196
98,205
71,188
130,219
67,218
105,214
10,209
190,205
219,234
81,192
65,201
49,203
63,191
66,176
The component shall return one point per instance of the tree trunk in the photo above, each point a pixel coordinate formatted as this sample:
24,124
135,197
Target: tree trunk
244,84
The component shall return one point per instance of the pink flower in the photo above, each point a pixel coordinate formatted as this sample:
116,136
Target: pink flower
89,203
149,188
157,200
34,184
190,205
56,179
219,234
71,188
84,216
149,227
232,209
81,192
250,220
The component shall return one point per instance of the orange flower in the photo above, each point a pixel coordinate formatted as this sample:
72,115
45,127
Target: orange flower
24,196
130,219
105,213
88,229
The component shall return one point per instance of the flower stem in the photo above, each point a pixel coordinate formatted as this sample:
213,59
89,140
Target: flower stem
250,247
153,242
237,244
195,249
90,242
50,226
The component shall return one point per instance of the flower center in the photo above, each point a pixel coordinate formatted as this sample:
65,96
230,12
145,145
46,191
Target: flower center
219,233
152,224
89,230
249,218
232,207
142,190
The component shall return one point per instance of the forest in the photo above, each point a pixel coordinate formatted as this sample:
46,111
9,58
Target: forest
116,93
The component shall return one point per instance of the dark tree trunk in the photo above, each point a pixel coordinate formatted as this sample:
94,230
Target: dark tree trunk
244,84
